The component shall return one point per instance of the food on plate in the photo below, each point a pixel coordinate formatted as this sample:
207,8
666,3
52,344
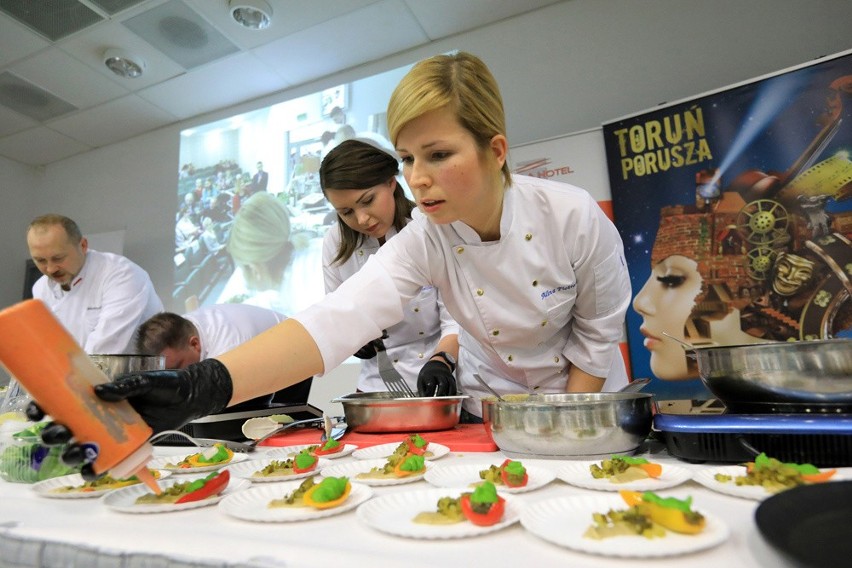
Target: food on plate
624,469
649,516
483,507
330,446
103,483
217,454
510,473
395,467
294,498
189,491
303,462
328,493
774,475
415,444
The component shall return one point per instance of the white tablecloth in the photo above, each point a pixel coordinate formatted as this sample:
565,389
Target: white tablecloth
39,531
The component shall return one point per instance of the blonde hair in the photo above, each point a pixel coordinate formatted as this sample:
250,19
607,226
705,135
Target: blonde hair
260,235
460,82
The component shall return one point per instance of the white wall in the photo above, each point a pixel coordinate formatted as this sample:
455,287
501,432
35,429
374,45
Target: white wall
562,69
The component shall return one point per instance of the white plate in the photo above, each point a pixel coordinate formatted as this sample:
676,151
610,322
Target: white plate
578,474
124,500
352,469
246,469
384,451
755,492
564,520
168,463
47,488
464,476
393,514
251,505
290,451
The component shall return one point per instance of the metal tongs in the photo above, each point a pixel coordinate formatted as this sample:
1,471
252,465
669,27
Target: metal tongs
394,382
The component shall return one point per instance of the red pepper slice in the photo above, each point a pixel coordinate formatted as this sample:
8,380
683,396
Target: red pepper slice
491,517
313,466
212,486
321,452
507,479
413,448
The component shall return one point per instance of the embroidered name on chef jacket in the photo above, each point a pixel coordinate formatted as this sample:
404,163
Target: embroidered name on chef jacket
548,293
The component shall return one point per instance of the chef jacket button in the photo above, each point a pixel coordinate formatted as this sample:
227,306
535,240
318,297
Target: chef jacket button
420,355
496,332
510,358
535,283
528,236
480,291
360,253
543,323
556,359
459,250
416,310
420,333
395,361
535,388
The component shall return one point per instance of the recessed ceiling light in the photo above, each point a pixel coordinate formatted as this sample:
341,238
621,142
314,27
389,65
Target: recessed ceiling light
123,64
252,14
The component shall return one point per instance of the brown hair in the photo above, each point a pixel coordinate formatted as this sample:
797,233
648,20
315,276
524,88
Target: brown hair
460,82
71,228
354,164
161,331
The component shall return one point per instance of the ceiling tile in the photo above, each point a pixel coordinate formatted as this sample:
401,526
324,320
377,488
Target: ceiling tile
288,16
327,48
53,19
18,41
224,83
11,121
467,15
180,33
114,121
39,146
90,47
57,72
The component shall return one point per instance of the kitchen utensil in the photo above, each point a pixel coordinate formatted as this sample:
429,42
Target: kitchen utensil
482,382
798,376
383,412
246,447
394,382
569,425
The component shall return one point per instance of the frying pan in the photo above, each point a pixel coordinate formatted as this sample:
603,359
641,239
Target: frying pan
787,376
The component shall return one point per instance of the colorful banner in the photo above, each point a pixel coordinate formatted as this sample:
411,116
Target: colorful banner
735,214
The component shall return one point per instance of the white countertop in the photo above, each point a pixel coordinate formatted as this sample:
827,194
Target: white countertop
39,531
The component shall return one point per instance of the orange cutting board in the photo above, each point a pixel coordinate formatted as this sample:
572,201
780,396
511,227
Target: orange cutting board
462,438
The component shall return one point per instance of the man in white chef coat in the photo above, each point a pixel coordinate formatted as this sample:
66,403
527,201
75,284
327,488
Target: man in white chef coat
205,332
100,298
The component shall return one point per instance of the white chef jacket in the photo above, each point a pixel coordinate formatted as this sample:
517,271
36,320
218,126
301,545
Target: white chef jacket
551,292
221,327
412,341
107,301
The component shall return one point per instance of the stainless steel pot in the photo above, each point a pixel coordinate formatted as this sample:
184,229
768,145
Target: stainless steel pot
798,376
569,425
114,365
383,412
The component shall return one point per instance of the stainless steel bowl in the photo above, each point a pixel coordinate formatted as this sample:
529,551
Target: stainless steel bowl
797,376
570,425
382,412
114,365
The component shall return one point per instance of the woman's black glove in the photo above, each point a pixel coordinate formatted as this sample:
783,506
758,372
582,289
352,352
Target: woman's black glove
165,399
169,399
368,351
436,379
